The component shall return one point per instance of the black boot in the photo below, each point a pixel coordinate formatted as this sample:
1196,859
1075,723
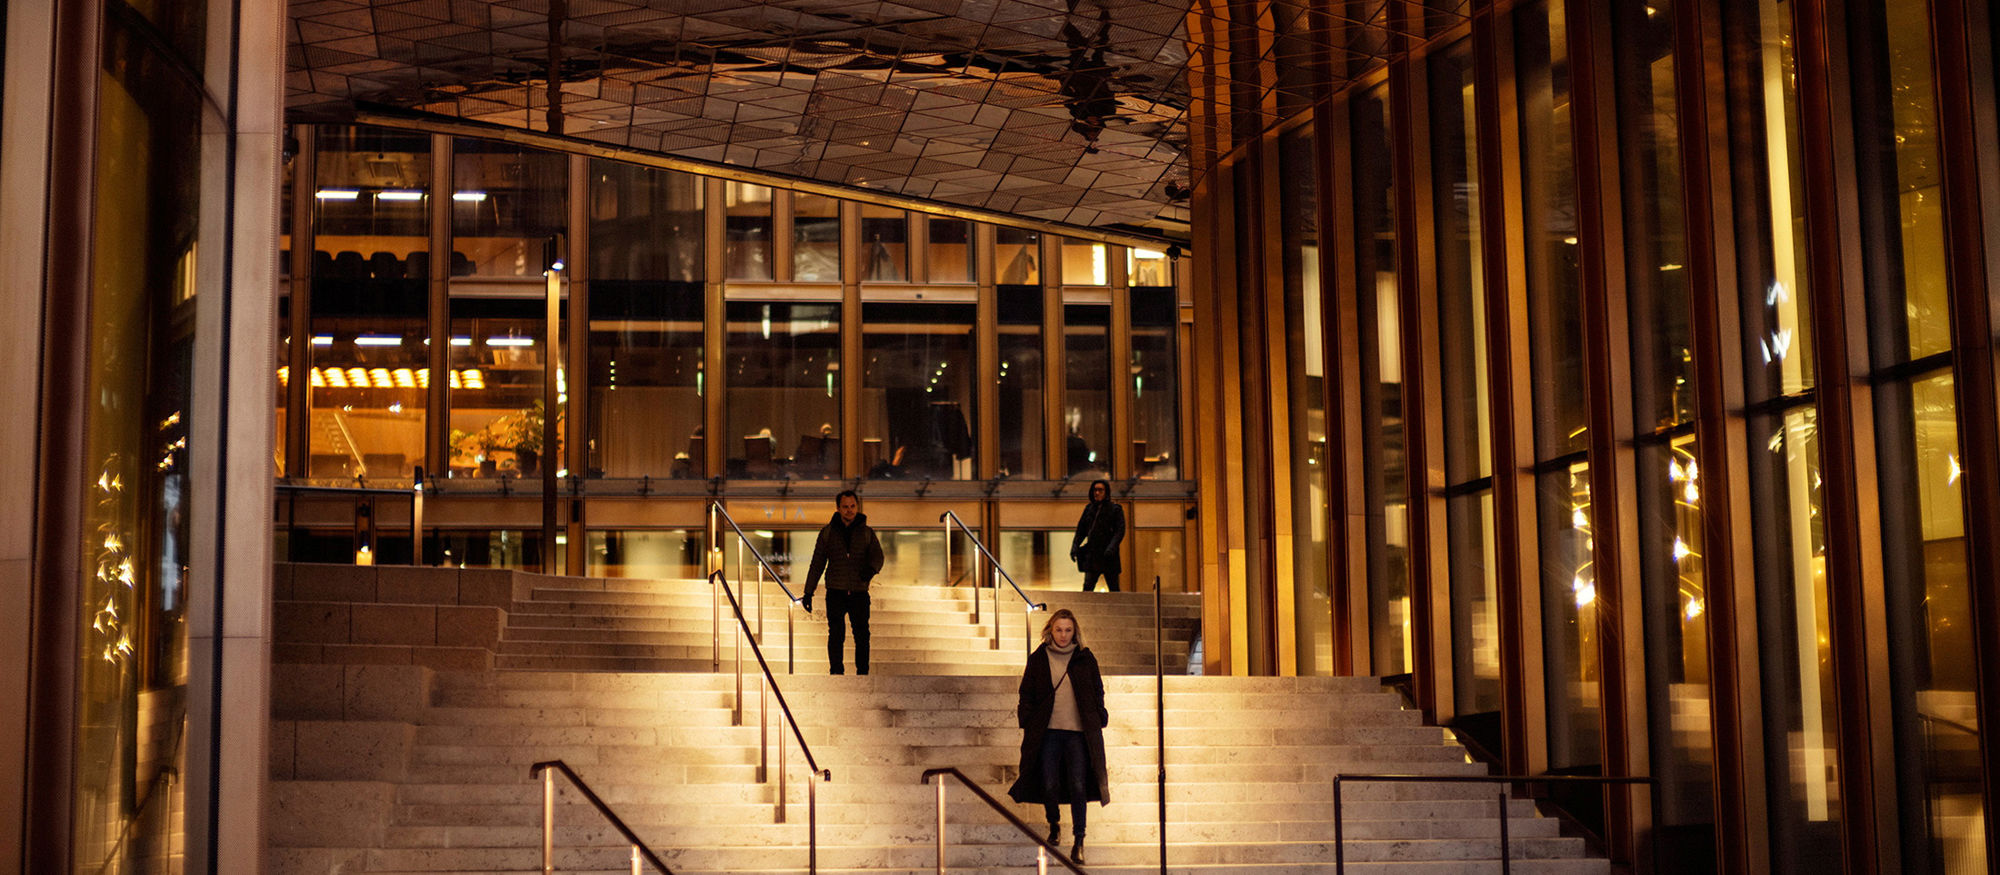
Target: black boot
1055,834
1076,850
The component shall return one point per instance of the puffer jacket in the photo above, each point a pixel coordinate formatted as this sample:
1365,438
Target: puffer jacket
848,555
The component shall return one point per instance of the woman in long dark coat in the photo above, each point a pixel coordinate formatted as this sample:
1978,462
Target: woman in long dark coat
1062,729
1099,531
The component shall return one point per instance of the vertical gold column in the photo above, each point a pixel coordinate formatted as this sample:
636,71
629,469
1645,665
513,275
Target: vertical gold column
987,316
437,399
781,238
1122,458
1283,619
298,355
576,357
715,328
1055,371
851,364
1353,625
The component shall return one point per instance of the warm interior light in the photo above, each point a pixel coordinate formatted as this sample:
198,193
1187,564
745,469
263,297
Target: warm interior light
468,197
399,195
377,340
337,194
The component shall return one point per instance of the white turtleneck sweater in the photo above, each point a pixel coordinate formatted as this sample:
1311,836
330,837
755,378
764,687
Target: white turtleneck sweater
1065,714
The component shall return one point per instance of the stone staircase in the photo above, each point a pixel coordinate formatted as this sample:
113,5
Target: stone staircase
391,769
397,753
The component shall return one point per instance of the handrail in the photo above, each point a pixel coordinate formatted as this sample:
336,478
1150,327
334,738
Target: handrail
718,514
546,771
1506,855
1044,849
1947,723
950,518
1160,709
763,746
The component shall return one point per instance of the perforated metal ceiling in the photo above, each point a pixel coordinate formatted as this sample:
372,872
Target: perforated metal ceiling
1070,111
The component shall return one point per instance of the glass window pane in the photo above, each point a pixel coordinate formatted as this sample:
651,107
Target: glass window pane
1385,483
1021,375
645,224
1900,177
1155,387
1157,553
1085,263
1674,591
1932,653
1018,255
1039,559
646,379
950,251
653,555
497,350
815,238
1087,390
1569,619
917,414
784,382
1801,716
506,204
885,244
1656,275
1151,267
1475,619
1461,283
747,230
369,319
1772,256
1548,218
1306,391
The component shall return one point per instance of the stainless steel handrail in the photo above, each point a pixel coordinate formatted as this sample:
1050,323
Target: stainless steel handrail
717,514
763,744
1042,848
547,772
1506,849
949,519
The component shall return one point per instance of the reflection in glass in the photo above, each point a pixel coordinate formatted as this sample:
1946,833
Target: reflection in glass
1148,267
1673,553
497,548
949,251
1569,618
646,379
1086,401
507,202
1801,717
885,244
815,238
1018,255
496,403
128,560
1385,483
1656,257
1039,558
747,230
645,224
916,557
1157,553
1763,84
1305,342
1548,205
1021,373
674,554
783,373
916,412
1902,177
1085,263
1475,609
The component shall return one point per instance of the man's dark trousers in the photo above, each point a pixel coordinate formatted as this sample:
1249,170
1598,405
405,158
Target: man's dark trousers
843,606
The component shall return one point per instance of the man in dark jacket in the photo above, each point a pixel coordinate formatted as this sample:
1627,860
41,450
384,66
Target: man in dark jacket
849,554
1098,533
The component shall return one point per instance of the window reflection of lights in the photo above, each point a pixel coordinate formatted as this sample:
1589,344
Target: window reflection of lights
1570,240
284,376
452,381
461,341
379,378
510,341
1586,592
468,197
1776,295
405,378
322,340
336,378
317,379
1694,609
1681,550
474,379
337,194
377,340
1578,519
399,195
1692,493
396,407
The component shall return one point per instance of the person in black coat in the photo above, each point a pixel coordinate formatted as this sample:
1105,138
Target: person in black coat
850,556
1062,729
1098,533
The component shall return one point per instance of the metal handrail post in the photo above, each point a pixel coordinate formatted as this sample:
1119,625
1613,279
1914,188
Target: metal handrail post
948,579
1160,714
1339,843
940,833
781,780
1506,850
736,710
714,612
764,737
548,822
812,826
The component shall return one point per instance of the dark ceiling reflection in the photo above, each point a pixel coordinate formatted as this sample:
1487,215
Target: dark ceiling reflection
1070,111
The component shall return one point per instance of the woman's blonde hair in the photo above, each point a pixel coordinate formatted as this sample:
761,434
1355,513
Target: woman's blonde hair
1049,628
